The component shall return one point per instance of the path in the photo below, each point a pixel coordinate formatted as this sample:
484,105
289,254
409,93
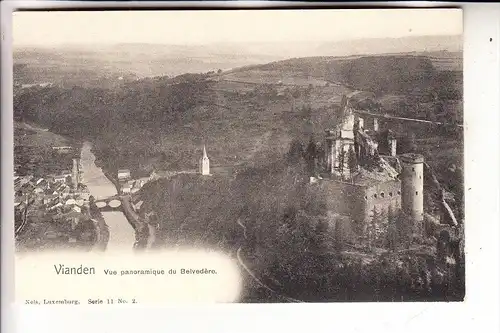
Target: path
255,278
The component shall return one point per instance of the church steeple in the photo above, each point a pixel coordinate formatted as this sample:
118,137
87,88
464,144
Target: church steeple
204,163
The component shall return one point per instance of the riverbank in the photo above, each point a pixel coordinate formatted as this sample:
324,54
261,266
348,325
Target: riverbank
145,233
141,228
101,228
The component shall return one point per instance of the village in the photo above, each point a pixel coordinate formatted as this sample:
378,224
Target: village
61,199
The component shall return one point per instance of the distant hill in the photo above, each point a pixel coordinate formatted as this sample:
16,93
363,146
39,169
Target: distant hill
367,46
417,44
247,114
380,74
68,62
136,60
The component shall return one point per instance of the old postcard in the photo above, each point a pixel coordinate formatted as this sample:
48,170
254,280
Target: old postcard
196,156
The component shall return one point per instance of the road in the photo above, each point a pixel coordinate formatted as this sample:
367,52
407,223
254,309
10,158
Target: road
121,233
254,283
385,116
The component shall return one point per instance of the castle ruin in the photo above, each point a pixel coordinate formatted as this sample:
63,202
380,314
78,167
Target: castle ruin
359,182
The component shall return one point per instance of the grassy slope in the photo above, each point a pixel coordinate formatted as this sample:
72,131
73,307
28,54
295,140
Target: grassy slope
33,153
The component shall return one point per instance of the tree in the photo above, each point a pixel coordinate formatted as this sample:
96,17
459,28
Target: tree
342,158
306,114
311,156
378,227
320,153
405,228
372,227
319,240
296,151
339,237
407,144
391,229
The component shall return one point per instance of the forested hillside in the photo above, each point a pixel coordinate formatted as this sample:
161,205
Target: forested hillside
243,115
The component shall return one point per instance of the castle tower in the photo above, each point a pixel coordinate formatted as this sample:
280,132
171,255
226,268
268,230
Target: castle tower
412,186
204,163
75,177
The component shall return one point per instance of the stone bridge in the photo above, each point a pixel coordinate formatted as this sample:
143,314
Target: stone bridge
113,203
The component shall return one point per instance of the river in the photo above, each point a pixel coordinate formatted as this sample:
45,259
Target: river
121,233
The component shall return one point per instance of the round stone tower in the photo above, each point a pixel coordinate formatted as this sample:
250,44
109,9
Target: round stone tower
412,186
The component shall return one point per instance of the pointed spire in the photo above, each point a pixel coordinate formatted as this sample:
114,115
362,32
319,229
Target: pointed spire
204,152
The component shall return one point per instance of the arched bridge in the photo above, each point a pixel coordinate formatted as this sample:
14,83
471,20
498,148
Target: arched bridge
113,203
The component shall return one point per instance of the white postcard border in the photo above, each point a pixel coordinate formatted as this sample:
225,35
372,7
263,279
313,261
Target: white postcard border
478,312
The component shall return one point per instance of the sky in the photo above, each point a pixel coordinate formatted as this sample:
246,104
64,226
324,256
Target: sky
205,27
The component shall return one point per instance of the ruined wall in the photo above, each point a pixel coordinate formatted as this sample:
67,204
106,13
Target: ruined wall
383,195
358,202
344,198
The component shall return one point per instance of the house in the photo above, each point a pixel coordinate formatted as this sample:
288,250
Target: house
60,178
126,188
48,199
67,173
123,174
66,192
139,183
28,187
85,195
142,181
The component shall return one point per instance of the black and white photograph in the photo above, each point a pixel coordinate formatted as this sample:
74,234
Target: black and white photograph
321,151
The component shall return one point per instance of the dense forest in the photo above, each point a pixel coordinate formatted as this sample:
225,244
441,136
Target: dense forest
123,123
